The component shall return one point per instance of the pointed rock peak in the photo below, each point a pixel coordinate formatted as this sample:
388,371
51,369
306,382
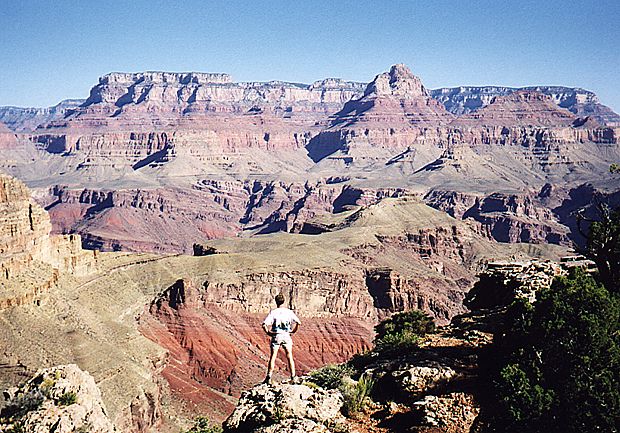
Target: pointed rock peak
400,71
399,82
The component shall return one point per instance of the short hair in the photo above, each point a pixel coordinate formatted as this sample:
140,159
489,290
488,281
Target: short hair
279,299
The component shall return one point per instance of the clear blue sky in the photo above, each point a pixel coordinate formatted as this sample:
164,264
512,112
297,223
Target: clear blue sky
56,49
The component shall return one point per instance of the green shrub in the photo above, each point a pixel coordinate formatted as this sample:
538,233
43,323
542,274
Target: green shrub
402,331
46,386
202,425
67,399
356,395
17,427
338,376
557,363
331,375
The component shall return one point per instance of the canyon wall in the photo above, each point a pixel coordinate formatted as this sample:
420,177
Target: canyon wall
30,258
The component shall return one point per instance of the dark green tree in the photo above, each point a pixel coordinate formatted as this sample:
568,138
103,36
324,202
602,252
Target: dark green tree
402,331
603,246
557,362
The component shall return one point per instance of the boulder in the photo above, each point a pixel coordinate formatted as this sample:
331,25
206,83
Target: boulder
61,399
450,413
285,408
419,378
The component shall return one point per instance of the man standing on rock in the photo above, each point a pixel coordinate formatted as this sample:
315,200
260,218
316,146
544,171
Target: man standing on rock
279,325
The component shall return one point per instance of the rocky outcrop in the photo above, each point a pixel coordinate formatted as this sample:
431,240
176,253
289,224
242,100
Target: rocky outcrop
62,399
524,217
31,259
503,282
582,103
286,408
453,413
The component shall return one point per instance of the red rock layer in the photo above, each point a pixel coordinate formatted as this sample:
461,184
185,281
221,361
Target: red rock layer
216,351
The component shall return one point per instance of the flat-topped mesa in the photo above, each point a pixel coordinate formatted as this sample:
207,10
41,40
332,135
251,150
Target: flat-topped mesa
521,108
581,102
399,82
119,88
189,92
337,83
166,77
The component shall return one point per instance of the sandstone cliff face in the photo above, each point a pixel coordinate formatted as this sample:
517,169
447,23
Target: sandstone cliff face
30,258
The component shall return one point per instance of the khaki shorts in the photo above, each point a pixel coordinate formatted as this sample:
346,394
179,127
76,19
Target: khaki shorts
282,339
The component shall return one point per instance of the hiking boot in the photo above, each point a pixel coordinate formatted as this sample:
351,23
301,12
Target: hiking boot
295,380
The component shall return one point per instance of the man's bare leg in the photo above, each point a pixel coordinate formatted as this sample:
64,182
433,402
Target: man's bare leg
291,362
272,363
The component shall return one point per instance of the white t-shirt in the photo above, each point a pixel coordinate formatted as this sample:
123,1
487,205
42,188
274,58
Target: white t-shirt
281,320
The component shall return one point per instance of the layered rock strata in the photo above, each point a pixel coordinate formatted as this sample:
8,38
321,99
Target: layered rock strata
186,157
31,259
582,103
23,120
